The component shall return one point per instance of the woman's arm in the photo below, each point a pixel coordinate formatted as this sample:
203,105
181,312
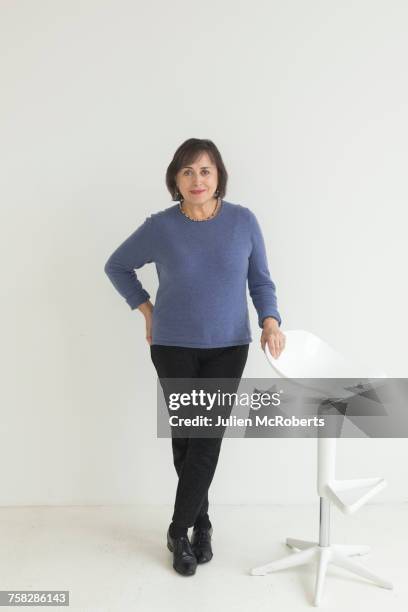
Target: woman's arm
133,253
263,293
262,289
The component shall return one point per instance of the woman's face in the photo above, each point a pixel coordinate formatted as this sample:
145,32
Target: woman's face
198,181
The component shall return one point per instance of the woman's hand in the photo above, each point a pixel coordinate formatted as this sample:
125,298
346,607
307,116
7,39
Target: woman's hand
149,323
147,310
272,335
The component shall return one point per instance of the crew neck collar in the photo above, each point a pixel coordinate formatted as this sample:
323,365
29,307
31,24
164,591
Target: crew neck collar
198,222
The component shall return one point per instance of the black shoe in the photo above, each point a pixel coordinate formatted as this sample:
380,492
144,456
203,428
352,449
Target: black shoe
201,544
184,561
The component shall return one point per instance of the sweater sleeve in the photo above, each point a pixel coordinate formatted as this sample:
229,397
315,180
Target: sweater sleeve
132,254
262,289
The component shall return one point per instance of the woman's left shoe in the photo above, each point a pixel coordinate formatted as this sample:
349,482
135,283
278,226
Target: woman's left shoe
201,544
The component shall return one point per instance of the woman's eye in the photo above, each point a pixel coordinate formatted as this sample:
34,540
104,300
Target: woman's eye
188,171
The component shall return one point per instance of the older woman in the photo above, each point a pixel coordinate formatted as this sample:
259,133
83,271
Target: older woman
205,250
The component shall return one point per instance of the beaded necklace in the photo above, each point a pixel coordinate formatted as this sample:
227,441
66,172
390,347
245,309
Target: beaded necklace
207,218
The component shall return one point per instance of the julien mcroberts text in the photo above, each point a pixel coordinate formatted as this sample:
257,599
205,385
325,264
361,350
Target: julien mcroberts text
234,421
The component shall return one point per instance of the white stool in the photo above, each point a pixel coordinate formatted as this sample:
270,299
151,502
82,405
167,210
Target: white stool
307,356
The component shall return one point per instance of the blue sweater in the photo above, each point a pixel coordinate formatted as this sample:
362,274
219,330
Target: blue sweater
202,268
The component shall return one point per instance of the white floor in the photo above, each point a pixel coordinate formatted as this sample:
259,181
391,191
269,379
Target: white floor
115,558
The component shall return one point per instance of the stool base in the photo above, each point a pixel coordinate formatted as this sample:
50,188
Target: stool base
336,554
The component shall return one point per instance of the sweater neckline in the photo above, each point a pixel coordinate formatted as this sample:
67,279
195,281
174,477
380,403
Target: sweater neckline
188,220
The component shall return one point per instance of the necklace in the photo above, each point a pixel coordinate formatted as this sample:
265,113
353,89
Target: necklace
207,218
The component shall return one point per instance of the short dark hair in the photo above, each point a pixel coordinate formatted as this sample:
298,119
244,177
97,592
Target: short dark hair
188,152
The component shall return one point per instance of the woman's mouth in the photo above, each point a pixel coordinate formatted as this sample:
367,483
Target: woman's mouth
195,191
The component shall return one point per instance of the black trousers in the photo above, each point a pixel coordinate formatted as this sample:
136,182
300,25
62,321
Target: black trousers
195,459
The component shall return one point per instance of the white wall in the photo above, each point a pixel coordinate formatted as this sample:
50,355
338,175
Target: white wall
307,102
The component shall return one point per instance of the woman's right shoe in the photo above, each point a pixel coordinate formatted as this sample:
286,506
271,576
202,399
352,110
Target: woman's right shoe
201,544
184,560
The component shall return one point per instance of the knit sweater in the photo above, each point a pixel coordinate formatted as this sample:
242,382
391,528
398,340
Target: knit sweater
202,269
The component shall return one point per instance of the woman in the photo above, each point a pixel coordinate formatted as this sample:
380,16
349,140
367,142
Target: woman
205,250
